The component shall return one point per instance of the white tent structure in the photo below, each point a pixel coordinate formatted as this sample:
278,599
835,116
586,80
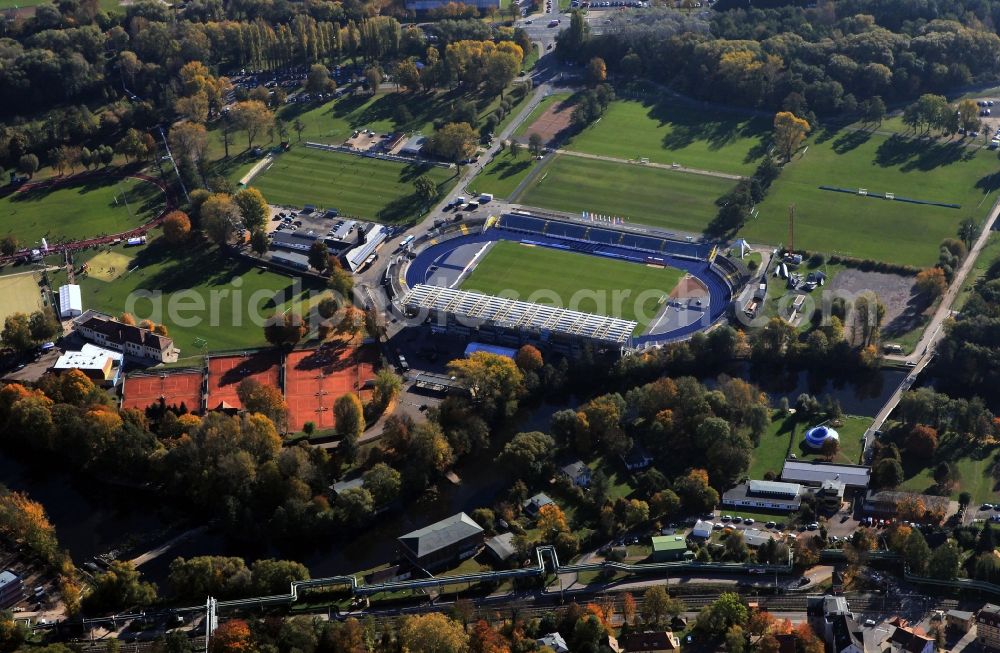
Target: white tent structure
70,301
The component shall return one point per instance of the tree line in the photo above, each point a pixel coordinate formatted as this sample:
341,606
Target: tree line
823,59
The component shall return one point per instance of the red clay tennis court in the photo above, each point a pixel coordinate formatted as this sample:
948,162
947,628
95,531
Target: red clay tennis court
226,372
315,378
175,387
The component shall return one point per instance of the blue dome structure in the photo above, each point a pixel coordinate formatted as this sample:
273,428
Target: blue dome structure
817,435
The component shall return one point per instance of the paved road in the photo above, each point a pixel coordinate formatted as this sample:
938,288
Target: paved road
924,351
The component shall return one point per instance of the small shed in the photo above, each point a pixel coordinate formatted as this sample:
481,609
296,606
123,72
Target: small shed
702,530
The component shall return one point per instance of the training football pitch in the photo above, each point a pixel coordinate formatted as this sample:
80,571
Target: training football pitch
655,197
592,284
878,229
202,295
96,206
667,132
356,186
21,294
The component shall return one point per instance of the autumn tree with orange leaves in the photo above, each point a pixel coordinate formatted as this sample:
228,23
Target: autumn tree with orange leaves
232,636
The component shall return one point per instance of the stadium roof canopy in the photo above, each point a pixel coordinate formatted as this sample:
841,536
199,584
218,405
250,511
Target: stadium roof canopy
513,314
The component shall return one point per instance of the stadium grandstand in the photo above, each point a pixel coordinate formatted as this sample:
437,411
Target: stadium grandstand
512,321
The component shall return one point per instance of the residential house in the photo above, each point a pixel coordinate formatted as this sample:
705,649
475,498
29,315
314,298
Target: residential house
907,640
847,635
131,340
823,611
554,641
766,495
988,626
650,641
533,505
443,543
578,473
960,620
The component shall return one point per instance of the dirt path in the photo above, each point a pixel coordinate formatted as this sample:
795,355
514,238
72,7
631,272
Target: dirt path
661,166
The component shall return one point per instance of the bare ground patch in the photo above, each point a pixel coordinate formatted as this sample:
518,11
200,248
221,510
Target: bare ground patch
552,124
904,307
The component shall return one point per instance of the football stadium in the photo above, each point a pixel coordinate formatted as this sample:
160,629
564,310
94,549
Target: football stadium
526,277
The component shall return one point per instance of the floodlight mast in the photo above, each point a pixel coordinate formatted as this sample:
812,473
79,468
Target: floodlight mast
170,156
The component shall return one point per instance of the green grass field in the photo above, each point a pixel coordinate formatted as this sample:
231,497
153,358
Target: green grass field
659,198
356,186
786,435
974,470
21,294
79,211
667,132
598,285
186,277
502,175
879,229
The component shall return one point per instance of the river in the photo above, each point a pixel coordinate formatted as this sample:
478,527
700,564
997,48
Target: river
92,519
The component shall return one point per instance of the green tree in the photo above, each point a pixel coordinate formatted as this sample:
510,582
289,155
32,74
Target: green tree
319,255
943,562
259,242
916,552
219,214
388,385
425,190
253,208
16,333
494,380
383,482
887,473
355,506
528,454
8,244
789,132
253,118
535,144
597,71
28,164
318,79
348,415
119,588
454,142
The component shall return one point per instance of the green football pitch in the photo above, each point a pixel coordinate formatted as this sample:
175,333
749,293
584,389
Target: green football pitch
878,229
356,186
591,284
651,196
21,294
92,207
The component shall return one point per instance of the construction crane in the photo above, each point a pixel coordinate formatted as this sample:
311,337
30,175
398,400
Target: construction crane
790,246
